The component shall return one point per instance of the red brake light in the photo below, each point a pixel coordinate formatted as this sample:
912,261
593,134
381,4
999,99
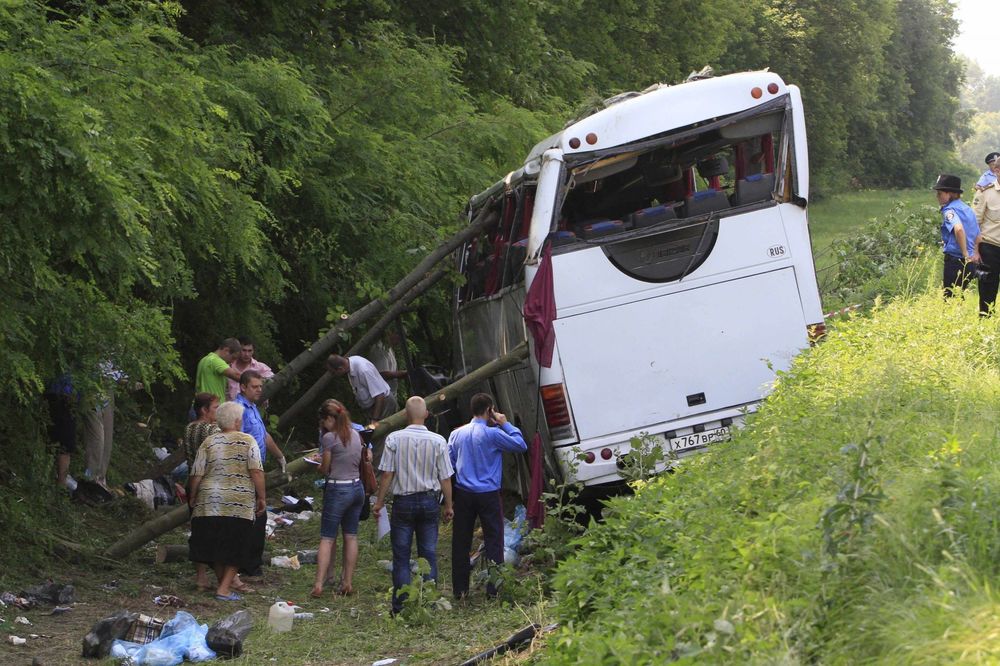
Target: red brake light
589,457
591,138
574,143
772,88
554,404
756,93
606,453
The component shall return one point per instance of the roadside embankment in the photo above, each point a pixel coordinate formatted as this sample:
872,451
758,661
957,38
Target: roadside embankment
854,520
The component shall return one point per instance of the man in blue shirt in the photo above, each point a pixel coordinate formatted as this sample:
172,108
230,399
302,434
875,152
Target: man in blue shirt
251,388
476,451
959,231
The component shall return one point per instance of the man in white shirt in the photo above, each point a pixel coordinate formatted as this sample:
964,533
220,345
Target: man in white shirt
417,466
370,390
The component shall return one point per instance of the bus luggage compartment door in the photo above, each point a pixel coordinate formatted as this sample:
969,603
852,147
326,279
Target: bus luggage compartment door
634,366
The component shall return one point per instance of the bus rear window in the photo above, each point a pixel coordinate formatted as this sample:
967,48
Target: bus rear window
681,178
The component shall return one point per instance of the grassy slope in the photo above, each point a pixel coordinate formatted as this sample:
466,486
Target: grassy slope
730,560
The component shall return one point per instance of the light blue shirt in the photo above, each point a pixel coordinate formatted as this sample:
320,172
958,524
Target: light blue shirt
253,424
987,179
958,211
476,452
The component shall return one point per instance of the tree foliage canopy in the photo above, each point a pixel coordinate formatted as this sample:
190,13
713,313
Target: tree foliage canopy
172,173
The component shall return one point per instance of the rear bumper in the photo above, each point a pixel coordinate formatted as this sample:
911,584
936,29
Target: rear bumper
602,471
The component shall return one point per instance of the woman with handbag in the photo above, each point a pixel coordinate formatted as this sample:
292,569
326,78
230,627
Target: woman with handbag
343,496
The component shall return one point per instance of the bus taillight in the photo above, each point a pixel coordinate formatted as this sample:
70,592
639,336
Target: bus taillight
556,409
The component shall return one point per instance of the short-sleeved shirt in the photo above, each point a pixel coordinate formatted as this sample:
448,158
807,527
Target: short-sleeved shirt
224,462
196,433
253,424
418,458
987,207
987,179
958,211
366,381
210,377
233,386
384,359
345,461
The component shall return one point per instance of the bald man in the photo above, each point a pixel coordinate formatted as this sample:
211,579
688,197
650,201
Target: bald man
415,465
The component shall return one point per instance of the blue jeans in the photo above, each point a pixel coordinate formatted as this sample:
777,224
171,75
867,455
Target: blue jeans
341,508
412,514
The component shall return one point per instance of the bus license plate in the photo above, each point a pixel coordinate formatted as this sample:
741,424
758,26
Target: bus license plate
696,439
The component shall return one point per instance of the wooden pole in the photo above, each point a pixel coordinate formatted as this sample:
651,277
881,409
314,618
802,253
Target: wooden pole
319,349
312,396
440,399
171,552
149,530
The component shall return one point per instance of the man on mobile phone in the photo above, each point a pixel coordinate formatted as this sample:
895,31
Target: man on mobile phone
476,452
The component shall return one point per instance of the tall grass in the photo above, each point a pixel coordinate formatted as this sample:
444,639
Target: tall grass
855,519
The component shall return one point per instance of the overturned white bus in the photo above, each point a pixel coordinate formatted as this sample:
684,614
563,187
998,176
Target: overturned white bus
682,276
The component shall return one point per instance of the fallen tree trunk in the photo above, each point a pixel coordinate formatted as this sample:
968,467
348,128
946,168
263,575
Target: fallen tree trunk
149,530
171,552
439,399
322,347
312,396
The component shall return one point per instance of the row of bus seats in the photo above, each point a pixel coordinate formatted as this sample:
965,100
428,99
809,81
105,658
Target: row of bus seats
752,189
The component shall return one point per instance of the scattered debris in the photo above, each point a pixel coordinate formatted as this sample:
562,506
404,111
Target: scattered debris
98,642
10,599
182,638
307,556
516,642
110,586
385,662
50,593
226,636
59,610
16,640
145,629
20,619
169,600
286,562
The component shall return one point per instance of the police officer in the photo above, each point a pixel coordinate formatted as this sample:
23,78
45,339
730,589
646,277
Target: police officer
988,177
987,207
959,233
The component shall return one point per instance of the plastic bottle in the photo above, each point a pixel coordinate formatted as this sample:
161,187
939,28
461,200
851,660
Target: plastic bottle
280,617
304,616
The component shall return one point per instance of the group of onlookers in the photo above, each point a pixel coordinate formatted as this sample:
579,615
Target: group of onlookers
971,234
419,470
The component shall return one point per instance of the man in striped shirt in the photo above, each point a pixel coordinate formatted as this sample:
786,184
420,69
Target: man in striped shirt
416,466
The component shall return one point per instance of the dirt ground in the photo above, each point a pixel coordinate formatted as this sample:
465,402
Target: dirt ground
345,630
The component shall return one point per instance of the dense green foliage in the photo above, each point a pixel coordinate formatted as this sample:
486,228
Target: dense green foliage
854,520
177,172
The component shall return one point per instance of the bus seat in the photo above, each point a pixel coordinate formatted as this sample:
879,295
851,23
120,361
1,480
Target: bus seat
647,217
753,189
704,202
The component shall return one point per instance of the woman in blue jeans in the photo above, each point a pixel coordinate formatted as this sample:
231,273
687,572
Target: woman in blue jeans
343,495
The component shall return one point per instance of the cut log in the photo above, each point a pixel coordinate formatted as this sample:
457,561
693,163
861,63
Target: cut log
440,399
149,530
171,552
321,348
313,395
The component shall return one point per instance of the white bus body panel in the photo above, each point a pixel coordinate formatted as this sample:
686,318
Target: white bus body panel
638,363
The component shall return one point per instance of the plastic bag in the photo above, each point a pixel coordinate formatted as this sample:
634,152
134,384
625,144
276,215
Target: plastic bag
513,535
182,637
226,636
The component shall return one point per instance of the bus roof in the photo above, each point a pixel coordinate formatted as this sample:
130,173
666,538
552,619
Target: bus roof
662,108
632,117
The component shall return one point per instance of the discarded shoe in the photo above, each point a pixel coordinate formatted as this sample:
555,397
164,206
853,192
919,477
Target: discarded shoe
232,596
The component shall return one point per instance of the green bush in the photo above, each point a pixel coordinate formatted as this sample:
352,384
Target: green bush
853,519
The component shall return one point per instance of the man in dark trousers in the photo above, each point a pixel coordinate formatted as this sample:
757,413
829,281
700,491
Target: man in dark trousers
476,451
251,388
415,464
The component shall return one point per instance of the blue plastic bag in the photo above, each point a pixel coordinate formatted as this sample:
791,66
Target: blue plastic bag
182,637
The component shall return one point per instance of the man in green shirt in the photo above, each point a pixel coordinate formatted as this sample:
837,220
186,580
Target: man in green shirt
213,369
